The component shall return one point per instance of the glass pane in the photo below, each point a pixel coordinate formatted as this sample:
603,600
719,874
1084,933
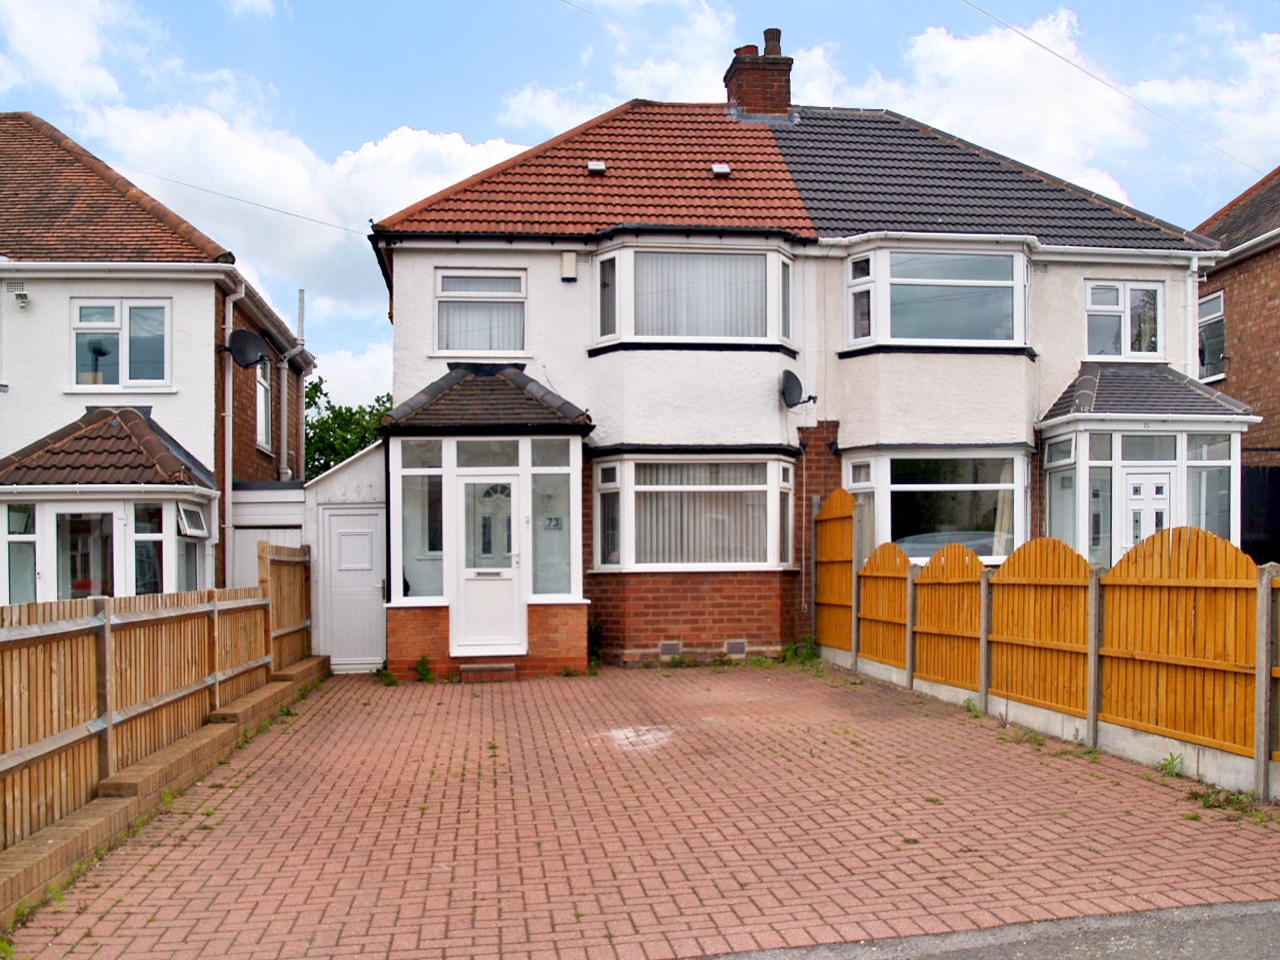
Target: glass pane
148,518
1209,499
189,565
422,537
784,526
700,295
551,541
608,475
480,284
97,314
608,298
702,527
419,453
952,471
609,528
1062,505
488,525
786,299
1104,334
1200,446
481,325
1058,451
146,343
923,521
147,566
1100,516
1099,446
950,266
22,572
22,519
937,312
86,564
1141,446
861,314
860,269
488,453
701,474
859,473
1104,297
550,453
97,358
1213,344
1210,306
1142,320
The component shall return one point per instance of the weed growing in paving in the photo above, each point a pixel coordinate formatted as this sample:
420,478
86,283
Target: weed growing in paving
971,708
803,652
385,677
423,669
1171,766
1239,805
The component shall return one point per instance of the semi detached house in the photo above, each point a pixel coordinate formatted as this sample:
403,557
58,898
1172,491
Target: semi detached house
628,360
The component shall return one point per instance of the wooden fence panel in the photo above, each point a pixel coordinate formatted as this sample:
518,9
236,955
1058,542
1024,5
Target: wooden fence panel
949,617
1040,627
284,575
882,606
1179,644
241,640
833,579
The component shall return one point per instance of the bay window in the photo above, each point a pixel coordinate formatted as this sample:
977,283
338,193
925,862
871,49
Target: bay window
480,311
1123,319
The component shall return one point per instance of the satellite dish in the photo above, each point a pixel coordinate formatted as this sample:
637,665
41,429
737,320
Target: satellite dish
792,389
247,348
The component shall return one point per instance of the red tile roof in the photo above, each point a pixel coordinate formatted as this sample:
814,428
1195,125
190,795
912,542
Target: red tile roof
58,202
106,445
658,158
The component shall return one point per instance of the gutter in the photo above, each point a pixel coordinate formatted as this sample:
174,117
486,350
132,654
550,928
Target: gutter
1249,248
1147,418
1030,241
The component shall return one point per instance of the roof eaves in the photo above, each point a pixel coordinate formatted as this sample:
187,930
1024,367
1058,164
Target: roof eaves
1247,197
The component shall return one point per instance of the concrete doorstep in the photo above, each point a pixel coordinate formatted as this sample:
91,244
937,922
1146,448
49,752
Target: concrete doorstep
50,858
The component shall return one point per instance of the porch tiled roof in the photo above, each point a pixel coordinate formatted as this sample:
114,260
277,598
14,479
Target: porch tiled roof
108,445
486,399
1142,389
58,202
1253,213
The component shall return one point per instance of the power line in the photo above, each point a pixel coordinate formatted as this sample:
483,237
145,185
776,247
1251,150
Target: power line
252,203
620,26
1108,83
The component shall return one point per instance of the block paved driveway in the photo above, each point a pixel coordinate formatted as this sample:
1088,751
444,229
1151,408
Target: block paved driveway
645,814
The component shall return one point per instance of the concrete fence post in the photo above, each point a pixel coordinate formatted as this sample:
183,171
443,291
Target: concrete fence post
1093,671
214,649
984,638
106,705
1264,662
912,572
855,628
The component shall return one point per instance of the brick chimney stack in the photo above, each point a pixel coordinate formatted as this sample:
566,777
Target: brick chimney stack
760,84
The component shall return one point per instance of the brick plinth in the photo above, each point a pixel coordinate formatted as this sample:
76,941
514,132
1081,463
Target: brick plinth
557,642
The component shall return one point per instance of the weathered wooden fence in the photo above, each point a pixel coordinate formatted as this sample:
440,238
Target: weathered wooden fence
284,575
88,687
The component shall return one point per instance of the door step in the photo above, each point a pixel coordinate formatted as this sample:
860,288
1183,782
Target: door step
487,672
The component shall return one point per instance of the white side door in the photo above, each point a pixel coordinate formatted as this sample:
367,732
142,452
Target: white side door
352,566
488,617
1146,510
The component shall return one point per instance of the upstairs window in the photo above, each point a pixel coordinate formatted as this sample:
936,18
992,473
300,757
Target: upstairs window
1123,320
480,312
721,295
262,376
1213,337
121,343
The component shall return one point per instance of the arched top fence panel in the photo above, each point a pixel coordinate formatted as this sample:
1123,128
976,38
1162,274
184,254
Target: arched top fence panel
953,563
887,560
1044,560
1184,556
839,503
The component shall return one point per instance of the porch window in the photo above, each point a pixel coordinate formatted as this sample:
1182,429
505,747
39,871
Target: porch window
1209,482
480,312
552,517
86,558
1123,319
148,548
22,552
1213,337
422,526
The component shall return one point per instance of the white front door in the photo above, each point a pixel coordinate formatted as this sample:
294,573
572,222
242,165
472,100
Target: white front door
488,618
353,625
1146,506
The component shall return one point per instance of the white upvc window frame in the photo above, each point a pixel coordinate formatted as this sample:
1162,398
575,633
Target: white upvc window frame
624,292
1217,314
625,486
878,283
119,326
442,296
1126,332
262,406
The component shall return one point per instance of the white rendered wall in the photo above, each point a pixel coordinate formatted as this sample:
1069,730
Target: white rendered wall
37,362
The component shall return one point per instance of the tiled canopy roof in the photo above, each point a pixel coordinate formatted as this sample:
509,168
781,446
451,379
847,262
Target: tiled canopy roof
1141,389
1253,213
106,445
815,172
483,399
58,202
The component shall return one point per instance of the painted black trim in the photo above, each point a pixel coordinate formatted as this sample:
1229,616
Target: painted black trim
693,449
909,447
1027,352
491,430
268,484
705,347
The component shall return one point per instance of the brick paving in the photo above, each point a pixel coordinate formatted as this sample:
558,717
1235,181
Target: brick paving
641,814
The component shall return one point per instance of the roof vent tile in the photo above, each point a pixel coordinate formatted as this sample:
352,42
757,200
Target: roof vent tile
596,166
720,170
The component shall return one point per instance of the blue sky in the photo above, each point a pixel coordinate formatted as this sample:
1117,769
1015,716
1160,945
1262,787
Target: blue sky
347,112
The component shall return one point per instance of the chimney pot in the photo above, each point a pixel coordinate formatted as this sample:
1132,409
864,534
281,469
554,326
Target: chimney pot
750,50
760,85
773,42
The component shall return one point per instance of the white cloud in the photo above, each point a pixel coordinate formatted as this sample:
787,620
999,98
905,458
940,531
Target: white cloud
354,379
58,43
553,109
693,68
262,7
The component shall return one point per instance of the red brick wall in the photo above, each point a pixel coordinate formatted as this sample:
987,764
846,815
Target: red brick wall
1040,493
759,84
557,642
1251,303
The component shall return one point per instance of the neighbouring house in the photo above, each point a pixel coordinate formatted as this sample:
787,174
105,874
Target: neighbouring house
1239,315
125,422
629,361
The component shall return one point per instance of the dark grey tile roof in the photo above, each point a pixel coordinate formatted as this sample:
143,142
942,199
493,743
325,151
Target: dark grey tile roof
1253,213
486,399
860,171
1142,389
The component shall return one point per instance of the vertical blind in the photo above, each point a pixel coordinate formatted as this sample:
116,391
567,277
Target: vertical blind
701,525
481,325
700,295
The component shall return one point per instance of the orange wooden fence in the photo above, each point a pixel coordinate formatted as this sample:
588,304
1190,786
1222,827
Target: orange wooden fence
882,606
948,628
1040,627
833,579
284,575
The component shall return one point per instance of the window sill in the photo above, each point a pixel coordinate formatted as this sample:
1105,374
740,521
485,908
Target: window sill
408,603
557,600
718,346
488,356
696,568
266,451
1216,378
116,388
978,349
1129,358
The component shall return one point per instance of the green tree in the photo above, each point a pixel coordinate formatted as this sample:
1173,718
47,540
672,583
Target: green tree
334,432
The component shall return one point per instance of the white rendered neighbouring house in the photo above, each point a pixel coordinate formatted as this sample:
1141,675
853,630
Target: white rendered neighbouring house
591,343
118,399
